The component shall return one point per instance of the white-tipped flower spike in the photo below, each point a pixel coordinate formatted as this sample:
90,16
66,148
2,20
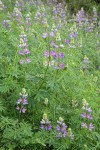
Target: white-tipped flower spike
61,119
1,6
45,23
46,101
45,116
85,103
70,134
23,91
58,37
42,8
86,60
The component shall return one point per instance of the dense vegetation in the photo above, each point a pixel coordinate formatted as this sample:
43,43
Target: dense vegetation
49,77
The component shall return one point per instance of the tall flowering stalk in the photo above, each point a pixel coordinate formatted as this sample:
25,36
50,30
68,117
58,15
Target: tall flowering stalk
24,48
87,116
80,18
55,56
86,63
28,21
45,123
17,15
61,128
20,4
95,15
1,6
22,102
62,131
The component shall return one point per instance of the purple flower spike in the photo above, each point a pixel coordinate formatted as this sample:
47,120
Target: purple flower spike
45,123
61,128
87,115
22,102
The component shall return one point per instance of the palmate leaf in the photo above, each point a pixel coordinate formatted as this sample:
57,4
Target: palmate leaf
2,108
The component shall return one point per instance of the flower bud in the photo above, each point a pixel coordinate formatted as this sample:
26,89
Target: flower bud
61,119
45,116
58,37
46,101
23,91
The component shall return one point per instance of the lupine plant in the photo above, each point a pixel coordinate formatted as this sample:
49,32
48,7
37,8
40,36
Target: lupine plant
49,67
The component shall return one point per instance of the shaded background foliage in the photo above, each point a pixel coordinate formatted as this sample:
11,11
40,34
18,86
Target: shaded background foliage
73,5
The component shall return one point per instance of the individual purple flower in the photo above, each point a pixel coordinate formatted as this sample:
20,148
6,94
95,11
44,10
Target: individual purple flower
21,52
45,123
61,55
52,34
89,109
67,41
54,45
46,54
28,60
23,110
73,35
53,53
22,61
89,116
24,102
83,115
62,66
19,101
17,108
27,51
91,126
45,35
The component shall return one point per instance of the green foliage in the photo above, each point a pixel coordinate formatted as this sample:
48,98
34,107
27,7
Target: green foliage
63,89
